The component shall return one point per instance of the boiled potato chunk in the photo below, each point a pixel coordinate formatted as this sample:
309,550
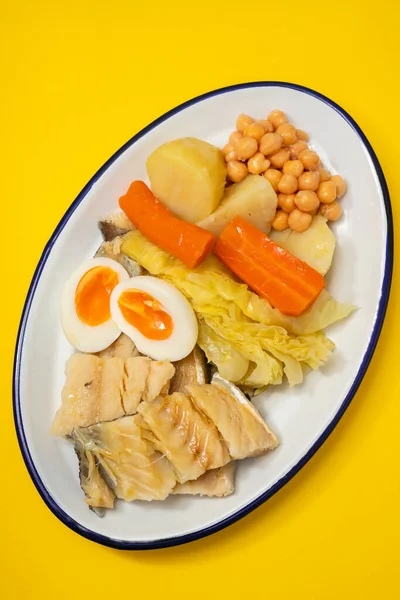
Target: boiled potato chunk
188,176
253,199
314,246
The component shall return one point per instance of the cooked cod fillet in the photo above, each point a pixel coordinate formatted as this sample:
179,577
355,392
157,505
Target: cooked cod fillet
80,394
214,483
98,389
192,369
110,400
185,436
133,469
135,382
123,347
240,424
160,375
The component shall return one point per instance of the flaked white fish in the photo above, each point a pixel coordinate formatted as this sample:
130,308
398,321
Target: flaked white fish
123,347
102,389
239,423
130,465
215,483
188,439
192,369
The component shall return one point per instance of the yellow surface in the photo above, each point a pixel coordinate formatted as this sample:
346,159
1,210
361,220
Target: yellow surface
78,79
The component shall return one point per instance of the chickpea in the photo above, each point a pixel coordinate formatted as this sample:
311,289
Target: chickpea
299,221
231,156
243,121
332,211
270,143
246,147
255,130
267,125
293,167
306,200
234,137
280,222
341,185
258,163
302,135
236,171
326,192
310,159
227,148
279,158
288,133
273,176
324,174
286,202
309,180
277,118
288,184
296,148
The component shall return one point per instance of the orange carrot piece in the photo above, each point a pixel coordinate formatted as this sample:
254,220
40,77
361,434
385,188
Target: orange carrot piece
288,283
186,241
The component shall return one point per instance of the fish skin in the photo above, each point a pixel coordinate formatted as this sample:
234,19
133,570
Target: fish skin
112,249
192,369
130,265
185,436
239,423
113,227
109,231
216,483
114,224
97,493
235,391
132,467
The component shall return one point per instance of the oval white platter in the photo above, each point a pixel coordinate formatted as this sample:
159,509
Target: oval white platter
302,417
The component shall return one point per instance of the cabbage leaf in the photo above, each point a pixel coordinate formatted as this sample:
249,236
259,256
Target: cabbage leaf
250,342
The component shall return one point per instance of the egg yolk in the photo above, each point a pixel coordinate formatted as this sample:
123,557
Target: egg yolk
146,314
92,296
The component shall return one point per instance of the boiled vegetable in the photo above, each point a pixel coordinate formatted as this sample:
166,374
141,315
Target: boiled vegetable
232,365
323,312
314,246
286,282
248,340
187,242
253,198
188,176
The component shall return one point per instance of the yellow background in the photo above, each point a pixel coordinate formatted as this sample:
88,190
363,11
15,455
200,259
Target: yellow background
77,79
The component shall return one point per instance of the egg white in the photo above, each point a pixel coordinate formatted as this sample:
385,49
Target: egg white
80,335
184,335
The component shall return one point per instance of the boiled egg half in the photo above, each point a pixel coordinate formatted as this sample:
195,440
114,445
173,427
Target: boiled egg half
156,316
85,304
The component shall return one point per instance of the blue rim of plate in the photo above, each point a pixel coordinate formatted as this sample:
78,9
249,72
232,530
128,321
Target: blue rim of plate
189,537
